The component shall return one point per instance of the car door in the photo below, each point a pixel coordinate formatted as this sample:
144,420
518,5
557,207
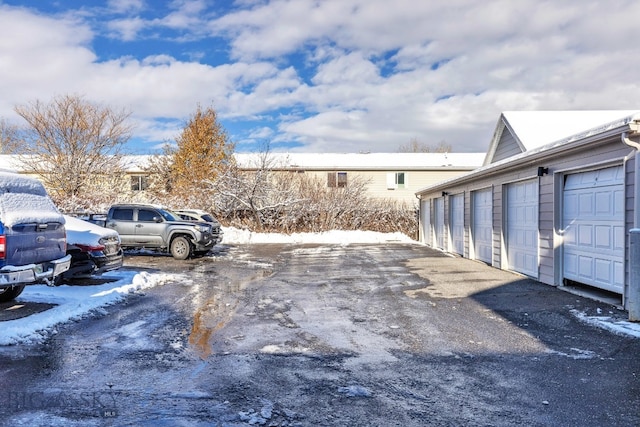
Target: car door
149,228
121,220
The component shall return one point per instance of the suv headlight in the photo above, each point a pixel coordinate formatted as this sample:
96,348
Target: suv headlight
203,228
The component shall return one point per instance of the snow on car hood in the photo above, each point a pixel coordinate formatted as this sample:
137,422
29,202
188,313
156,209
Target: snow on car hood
24,200
80,232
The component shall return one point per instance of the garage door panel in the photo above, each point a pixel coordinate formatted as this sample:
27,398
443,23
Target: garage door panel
585,233
482,229
585,204
457,223
439,222
619,239
522,227
585,267
619,202
571,264
593,224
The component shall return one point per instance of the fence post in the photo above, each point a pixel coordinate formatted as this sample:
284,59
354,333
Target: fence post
633,300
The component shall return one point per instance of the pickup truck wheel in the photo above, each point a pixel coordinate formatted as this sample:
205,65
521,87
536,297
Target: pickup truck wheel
180,248
9,294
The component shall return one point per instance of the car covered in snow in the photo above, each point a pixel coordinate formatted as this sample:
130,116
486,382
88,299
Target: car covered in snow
202,216
33,246
93,249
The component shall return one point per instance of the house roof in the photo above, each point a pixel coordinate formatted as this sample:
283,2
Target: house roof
363,161
534,129
318,161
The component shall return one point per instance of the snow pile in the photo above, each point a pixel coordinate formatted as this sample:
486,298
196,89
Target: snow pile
614,325
235,236
73,302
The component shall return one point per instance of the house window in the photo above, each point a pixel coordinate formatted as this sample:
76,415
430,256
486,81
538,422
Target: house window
138,182
396,180
337,179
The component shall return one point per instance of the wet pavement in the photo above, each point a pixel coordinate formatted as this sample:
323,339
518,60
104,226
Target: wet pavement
361,335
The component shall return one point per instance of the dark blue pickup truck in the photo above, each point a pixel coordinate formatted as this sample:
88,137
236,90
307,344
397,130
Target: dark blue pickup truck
32,236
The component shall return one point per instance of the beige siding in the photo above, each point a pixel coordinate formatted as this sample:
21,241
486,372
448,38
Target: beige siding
415,180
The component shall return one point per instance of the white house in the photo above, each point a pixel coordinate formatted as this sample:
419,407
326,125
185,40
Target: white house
394,176
555,200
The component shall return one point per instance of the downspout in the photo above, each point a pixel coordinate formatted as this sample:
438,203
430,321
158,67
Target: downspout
632,296
635,127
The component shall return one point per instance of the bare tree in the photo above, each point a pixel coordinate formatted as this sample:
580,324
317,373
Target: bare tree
415,146
258,191
9,137
73,144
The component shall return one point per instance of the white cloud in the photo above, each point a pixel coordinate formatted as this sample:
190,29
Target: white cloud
126,29
367,74
125,6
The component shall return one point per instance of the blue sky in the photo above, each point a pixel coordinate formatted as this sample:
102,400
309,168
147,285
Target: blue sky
323,76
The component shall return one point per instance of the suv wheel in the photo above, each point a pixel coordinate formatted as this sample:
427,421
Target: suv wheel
180,248
11,293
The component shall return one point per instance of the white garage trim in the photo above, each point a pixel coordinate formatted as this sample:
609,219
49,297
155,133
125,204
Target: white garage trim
482,224
456,203
593,228
522,227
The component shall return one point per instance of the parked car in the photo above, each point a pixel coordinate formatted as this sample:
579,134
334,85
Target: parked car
33,248
202,216
94,250
154,227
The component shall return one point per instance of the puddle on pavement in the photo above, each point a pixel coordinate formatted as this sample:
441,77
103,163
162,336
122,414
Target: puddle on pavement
207,320
17,310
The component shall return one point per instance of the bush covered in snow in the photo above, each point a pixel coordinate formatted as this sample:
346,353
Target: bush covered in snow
268,200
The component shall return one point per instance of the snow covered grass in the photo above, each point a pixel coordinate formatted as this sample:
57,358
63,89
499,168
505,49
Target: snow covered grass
73,302
236,236
622,327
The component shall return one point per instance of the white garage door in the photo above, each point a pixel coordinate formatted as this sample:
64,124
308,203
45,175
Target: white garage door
483,224
522,227
593,224
457,223
439,222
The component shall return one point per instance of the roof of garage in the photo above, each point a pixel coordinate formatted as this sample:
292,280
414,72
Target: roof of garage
620,120
527,130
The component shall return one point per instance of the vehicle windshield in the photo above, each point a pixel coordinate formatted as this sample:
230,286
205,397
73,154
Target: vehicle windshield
168,215
208,218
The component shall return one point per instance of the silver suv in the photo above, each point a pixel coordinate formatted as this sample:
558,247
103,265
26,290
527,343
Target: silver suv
154,227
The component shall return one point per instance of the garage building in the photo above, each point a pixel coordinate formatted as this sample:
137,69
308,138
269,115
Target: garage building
555,200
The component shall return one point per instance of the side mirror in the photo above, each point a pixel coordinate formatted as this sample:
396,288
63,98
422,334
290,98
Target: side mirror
157,218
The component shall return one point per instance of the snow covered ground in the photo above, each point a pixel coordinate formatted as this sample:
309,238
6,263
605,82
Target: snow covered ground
74,302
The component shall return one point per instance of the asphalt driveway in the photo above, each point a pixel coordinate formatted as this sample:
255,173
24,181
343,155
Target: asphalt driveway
356,335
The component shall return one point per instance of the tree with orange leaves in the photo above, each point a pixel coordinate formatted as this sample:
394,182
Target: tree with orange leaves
202,150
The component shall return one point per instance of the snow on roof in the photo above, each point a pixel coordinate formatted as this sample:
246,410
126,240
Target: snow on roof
363,161
537,128
617,124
